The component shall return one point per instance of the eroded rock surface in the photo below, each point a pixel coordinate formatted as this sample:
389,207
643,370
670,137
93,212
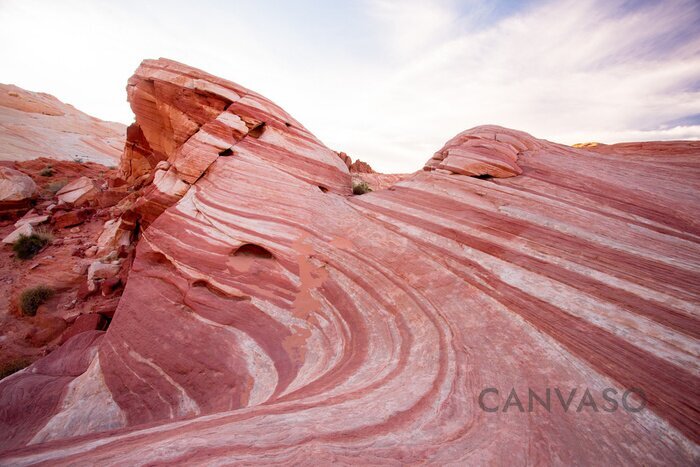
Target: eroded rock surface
485,151
34,124
268,320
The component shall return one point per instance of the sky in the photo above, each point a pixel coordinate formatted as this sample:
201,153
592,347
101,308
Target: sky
385,81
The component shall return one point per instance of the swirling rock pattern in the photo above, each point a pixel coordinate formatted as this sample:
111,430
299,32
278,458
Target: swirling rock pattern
272,317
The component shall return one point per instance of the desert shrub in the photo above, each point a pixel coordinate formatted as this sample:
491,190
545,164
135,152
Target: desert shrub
27,246
360,188
47,171
53,187
13,366
31,298
44,232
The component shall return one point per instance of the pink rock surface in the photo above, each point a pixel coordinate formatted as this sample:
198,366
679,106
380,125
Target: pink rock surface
267,320
488,150
36,125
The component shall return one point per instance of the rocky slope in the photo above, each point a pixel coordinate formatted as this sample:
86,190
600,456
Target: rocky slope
36,125
271,316
75,219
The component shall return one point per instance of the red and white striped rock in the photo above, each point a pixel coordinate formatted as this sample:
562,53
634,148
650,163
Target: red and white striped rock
267,320
483,151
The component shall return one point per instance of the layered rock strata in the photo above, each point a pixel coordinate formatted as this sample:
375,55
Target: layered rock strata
272,317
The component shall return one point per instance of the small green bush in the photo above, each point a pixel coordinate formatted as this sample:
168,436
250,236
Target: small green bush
53,187
13,366
46,172
361,188
31,298
27,246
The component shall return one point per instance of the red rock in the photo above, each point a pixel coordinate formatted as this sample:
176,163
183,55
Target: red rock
191,118
85,291
99,270
117,182
267,320
108,308
360,167
16,191
108,286
71,218
84,323
34,219
43,385
346,159
37,124
377,181
109,198
488,151
116,233
78,192
46,329
123,251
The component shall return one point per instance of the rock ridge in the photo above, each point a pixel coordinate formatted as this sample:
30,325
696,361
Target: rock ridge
271,316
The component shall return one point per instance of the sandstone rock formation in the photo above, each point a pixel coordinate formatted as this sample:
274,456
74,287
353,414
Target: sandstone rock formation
16,191
360,167
35,125
485,151
272,317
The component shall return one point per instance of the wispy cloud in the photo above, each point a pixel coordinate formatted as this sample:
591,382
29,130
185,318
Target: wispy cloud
388,81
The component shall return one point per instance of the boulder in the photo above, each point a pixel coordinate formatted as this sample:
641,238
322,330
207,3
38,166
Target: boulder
33,219
78,192
64,220
99,270
25,229
115,233
16,191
